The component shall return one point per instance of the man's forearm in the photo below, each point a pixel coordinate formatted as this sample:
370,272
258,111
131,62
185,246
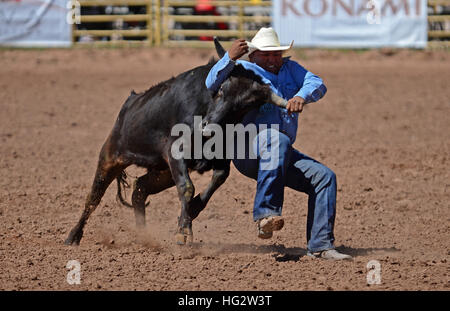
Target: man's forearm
313,88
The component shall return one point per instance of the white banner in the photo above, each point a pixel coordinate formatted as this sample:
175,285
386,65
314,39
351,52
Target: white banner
29,23
351,23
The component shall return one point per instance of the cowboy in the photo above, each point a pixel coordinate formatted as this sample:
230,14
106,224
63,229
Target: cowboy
293,169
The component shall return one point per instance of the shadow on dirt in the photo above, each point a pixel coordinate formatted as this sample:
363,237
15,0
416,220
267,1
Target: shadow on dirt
280,252
355,252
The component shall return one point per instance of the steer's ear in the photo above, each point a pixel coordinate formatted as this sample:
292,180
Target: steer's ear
219,48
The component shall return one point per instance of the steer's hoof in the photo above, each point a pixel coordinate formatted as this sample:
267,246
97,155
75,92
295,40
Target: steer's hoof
184,236
74,238
72,241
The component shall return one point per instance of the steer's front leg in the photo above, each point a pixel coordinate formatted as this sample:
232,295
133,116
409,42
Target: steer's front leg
220,174
186,190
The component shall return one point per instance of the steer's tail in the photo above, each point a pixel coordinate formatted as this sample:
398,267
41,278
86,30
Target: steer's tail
122,183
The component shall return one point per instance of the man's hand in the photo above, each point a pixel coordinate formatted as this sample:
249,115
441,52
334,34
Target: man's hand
237,49
295,104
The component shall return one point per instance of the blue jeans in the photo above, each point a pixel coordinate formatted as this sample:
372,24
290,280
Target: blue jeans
297,171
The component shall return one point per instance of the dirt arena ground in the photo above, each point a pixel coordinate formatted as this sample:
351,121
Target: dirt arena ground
383,127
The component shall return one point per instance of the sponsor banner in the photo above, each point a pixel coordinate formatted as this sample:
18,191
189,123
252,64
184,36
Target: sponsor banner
35,23
351,23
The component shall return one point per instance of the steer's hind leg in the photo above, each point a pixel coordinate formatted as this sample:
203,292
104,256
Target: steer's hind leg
150,183
186,192
108,169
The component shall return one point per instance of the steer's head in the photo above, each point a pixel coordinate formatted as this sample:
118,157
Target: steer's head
241,92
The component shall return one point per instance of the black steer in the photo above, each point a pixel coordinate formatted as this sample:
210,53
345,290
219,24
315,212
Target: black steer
142,136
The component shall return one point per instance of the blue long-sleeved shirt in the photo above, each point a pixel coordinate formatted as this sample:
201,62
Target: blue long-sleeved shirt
292,80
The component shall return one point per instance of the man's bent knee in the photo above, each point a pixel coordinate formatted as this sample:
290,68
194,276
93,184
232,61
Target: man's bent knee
323,177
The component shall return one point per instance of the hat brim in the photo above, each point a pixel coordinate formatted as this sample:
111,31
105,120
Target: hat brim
252,48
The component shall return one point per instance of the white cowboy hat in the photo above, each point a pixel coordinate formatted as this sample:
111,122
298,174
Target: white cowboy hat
266,39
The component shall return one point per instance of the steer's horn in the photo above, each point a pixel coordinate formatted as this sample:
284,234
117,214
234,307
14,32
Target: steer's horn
277,100
219,48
